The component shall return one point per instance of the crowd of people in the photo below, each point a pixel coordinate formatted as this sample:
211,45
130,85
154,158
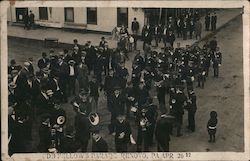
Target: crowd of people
187,25
79,76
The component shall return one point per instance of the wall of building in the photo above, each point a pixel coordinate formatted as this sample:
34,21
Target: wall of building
139,14
106,20
80,15
106,17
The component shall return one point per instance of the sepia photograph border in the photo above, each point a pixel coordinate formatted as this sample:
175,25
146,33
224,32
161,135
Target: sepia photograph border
124,156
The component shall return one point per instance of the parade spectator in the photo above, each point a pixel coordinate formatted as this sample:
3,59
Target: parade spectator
207,21
198,29
213,21
135,26
31,20
211,126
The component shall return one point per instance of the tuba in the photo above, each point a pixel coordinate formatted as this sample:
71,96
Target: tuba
94,118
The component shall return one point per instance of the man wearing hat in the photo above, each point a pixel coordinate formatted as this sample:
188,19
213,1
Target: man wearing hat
13,66
98,143
43,62
82,102
162,133
44,134
55,85
102,42
122,132
117,105
122,74
82,127
94,89
135,26
106,56
146,119
178,102
68,143
90,58
191,107
63,73
216,60
44,102
72,77
98,68
76,44
213,21
142,94
23,89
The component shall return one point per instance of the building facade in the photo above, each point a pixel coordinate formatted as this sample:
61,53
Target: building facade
101,19
93,19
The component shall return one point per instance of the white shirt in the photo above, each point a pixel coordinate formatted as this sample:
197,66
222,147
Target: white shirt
71,71
165,31
57,86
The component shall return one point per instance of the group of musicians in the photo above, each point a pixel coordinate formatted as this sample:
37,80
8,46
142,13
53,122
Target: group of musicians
38,97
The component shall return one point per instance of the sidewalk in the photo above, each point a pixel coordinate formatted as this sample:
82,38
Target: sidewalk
223,16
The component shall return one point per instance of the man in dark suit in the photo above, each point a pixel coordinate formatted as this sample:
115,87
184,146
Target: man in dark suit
207,21
82,127
98,143
63,73
157,34
43,62
214,21
117,105
32,20
31,68
162,133
13,66
23,89
90,56
122,133
135,26
179,25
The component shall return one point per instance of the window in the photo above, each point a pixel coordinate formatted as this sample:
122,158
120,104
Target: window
122,17
69,14
92,16
43,13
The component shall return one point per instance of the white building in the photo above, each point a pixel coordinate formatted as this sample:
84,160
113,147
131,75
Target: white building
90,19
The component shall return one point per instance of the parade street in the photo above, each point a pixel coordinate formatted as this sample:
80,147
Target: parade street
223,94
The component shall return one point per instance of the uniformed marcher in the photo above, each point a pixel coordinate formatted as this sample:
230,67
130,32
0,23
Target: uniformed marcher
178,103
191,108
68,143
83,103
117,105
122,132
44,134
98,143
216,60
